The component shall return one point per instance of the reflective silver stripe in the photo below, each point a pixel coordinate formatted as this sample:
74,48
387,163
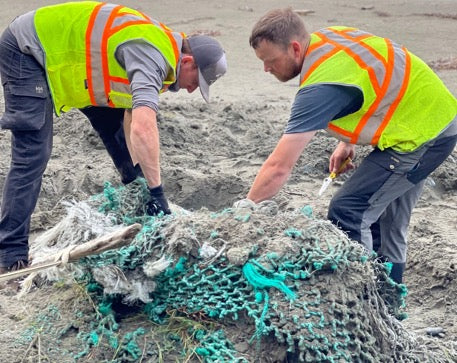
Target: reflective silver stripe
124,18
314,56
391,94
120,87
95,56
391,86
338,135
367,57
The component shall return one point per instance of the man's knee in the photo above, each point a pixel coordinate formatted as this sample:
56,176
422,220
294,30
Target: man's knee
345,218
106,121
336,211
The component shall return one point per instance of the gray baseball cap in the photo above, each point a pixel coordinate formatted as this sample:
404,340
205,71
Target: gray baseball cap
210,59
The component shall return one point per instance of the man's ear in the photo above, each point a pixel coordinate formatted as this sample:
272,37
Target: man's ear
186,58
296,47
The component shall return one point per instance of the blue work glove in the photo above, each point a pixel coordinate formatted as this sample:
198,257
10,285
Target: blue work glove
157,202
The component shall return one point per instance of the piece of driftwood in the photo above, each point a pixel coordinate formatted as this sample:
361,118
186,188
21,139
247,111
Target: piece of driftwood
113,240
304,11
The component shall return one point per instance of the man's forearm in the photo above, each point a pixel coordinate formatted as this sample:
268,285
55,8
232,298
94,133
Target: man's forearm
277,168
144,140
267,184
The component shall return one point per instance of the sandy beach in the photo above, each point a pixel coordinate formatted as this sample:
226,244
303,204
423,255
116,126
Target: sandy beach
212,152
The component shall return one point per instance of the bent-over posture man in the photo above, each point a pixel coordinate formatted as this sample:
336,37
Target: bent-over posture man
111,62
363,89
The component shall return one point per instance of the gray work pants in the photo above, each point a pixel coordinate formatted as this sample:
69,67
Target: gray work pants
374,206
29,116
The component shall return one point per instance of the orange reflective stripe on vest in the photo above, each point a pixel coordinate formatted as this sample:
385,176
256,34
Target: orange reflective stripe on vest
389,89
169,33
106,20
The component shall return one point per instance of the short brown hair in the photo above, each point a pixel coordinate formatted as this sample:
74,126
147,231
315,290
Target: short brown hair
278,26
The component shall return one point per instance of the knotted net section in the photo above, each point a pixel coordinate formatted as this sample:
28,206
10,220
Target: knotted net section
297,280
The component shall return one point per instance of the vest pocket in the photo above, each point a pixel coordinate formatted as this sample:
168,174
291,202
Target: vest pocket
25,105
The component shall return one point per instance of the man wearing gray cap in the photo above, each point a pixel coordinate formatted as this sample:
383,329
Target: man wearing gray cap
109,61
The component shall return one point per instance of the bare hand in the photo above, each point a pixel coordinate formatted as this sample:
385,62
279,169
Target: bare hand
339,156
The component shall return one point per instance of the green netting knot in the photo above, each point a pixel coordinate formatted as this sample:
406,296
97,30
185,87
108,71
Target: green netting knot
259,281
272,255
402,316
293,233
94,337
402,291
111,194
105,308
113,342
93,287
243,218
388,266
307,211
202,351
179,268
132,347
213,313
258,297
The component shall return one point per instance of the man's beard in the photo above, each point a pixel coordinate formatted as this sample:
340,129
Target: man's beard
293,70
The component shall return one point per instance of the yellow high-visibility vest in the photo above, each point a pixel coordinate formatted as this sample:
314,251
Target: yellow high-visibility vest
79,40
405,104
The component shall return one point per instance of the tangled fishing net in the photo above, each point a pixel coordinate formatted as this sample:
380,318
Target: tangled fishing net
298,281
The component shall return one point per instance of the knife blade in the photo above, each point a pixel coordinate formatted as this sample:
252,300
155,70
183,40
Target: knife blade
328,180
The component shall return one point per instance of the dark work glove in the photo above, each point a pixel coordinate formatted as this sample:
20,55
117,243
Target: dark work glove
157,202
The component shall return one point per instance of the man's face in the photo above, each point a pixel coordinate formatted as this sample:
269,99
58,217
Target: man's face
282,63
188,74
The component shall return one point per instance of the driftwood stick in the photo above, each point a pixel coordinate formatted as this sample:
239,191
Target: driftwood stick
116,239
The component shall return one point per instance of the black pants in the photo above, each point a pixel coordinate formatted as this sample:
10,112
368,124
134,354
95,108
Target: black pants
29,116
108,122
